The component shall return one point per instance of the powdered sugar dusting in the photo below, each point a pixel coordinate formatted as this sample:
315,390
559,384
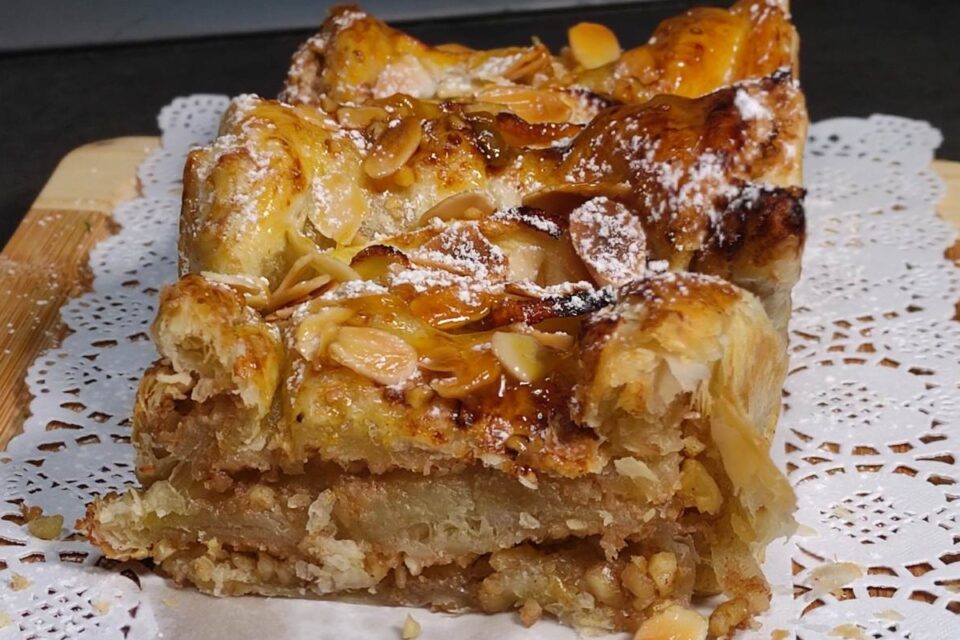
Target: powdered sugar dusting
750,108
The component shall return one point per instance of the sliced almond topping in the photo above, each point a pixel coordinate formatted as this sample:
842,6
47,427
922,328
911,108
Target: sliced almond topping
531,61
462,249
360,117
374,353
556,340
533,105
610,241
522,356
315,332
467,205
397,144
673,623
309,273
255,290
593,45
564,198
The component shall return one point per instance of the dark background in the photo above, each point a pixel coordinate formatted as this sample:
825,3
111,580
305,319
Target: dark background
857,57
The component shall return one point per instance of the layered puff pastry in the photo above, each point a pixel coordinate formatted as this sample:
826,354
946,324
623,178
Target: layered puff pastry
435,349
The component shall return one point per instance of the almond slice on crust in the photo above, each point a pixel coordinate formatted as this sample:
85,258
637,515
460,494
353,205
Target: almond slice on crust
610,240
376,354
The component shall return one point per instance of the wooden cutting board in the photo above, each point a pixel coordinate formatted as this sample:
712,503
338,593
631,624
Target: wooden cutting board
45,262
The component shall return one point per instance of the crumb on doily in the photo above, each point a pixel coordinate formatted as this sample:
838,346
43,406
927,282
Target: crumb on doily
779,634
102,607
890,614
46,527
4,620
411,628
849,631
19,582
830,577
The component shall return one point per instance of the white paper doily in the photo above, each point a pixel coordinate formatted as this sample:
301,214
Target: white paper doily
873,406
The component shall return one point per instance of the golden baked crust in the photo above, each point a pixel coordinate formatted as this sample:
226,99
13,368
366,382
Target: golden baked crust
484,330
714,181
356,57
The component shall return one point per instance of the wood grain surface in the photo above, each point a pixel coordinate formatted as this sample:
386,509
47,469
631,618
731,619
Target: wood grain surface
45,262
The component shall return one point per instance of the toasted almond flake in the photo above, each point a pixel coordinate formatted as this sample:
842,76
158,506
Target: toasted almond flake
610,240
397,144
575,524
634,469
593,45
360,117
466,205
533,105
461,248
374,353
607,517
673,623
255,290
309,273
522,356
411,628
556,340
528,63
314,333
295,291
